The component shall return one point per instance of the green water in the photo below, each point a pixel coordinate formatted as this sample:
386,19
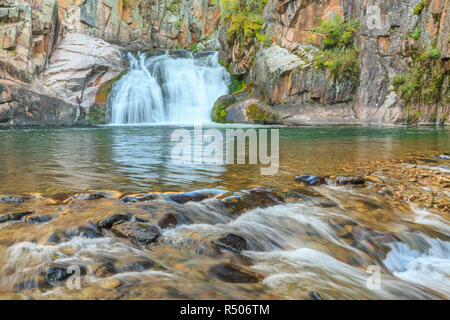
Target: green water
136,159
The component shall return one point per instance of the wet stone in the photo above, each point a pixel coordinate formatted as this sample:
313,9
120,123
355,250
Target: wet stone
136,264
310,180
342,181
38,219
12,199
86,196
109,222
250,199
168,221
197,196
315,296
89,232
138,233
232,273
54,272
138,198
15,216
232,242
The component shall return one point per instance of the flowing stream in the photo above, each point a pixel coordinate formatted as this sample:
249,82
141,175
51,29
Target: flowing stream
166,88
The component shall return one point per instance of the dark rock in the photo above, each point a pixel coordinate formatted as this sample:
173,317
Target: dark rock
86,196
196,196
234,274
232,242
310,180
84,231
9,199
138,198
60,271
38,219
138,233
14,216
105,270
249,199
350,180
108,223
315,296
168,221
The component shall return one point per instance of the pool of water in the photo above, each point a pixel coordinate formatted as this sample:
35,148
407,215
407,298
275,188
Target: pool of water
136,159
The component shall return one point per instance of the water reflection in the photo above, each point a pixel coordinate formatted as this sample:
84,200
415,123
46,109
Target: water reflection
136,159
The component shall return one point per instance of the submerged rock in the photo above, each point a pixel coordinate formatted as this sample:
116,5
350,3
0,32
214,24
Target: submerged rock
89,232
86,196
168,221
310,180
138,233
54,272
196,196
232,273
9,199
232,242
350,180
15,216
109,222
39,219
249,199
138,198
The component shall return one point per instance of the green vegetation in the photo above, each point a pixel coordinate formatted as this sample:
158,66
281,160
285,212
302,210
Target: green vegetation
260,115
338,52
245,20
237,83
420,6
219,111
415,34
423,82
98,111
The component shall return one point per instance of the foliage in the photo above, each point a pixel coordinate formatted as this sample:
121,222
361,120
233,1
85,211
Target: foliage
336,33
338,52
423,82
245,20
415,34
342,63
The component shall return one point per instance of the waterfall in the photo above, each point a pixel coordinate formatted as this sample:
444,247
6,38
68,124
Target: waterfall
165,88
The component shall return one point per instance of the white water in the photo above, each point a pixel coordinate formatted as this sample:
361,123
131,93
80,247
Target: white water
163,89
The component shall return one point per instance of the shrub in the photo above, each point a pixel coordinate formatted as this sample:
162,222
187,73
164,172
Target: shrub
423,82
245,20
338,52
415,34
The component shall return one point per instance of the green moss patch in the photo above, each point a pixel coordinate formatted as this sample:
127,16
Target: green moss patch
260,115
219,112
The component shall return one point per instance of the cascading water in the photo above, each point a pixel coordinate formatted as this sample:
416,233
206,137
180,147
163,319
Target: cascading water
164,88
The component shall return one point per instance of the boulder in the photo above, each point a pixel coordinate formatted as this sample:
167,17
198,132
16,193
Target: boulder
55,272
233,273
310,180
138,233
231,242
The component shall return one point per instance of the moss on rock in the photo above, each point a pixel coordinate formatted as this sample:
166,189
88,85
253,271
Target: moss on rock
219,112
261,115
97,113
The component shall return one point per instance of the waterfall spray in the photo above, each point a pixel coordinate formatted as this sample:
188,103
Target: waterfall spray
163,88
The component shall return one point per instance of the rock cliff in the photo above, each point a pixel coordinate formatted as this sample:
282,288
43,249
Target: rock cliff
59,58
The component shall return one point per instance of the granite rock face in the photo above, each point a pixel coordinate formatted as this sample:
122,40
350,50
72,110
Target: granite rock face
284,78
